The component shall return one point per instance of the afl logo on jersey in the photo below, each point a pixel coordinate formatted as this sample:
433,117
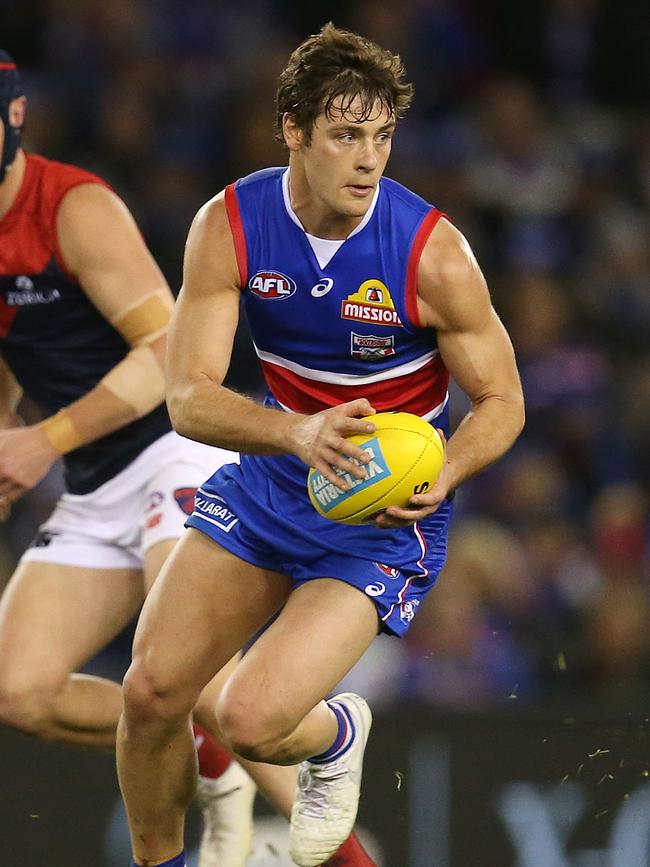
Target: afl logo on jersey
272,284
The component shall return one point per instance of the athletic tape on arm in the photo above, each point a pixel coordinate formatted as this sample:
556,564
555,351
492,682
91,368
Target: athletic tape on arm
138,379
146,319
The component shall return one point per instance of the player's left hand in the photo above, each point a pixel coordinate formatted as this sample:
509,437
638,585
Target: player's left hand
420,505
25,457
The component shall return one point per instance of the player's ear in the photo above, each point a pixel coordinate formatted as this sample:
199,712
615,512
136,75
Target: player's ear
293,134
17,111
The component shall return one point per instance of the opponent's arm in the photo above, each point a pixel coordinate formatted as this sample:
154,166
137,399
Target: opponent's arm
200,346
102,247
453,298
10,394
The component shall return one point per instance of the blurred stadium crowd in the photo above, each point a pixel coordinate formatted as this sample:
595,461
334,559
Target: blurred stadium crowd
531,128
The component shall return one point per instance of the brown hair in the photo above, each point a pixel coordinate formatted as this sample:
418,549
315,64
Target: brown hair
337,63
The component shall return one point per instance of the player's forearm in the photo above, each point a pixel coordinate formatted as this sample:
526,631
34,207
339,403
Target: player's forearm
213,414
133,388
10,395
484,435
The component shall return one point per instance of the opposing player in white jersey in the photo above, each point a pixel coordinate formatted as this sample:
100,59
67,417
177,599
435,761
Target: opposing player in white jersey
329,258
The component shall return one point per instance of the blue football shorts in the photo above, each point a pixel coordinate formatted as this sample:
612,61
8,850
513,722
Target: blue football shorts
260,511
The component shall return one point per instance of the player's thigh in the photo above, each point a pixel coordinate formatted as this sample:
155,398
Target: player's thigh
154,560
203,607
55,617
322,631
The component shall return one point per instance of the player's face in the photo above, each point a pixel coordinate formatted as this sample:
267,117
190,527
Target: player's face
16,117
347,157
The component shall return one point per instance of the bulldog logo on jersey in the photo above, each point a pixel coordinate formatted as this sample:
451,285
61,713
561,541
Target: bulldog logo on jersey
369,347
272,285
371,303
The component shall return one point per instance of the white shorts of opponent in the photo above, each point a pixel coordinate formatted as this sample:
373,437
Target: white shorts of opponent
147,502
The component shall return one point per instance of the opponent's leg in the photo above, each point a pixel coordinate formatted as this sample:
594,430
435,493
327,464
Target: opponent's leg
53,618
204,606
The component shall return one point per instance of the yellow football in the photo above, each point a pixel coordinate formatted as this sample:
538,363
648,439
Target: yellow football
406,456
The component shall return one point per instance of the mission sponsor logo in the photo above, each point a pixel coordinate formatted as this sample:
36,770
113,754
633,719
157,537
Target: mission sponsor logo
369,347
272,285
371,303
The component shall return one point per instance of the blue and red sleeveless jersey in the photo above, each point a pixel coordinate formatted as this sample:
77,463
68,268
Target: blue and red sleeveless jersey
349,329
55,342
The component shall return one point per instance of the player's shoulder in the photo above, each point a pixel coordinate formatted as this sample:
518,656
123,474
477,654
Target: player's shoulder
403,196
261,178
57,175
53,185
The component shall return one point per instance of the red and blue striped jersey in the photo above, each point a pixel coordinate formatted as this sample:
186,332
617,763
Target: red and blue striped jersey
331,329
52,337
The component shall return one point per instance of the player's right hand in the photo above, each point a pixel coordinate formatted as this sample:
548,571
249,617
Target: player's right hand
25,457
320,440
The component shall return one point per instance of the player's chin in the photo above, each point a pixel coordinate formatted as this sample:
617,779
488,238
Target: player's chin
353,207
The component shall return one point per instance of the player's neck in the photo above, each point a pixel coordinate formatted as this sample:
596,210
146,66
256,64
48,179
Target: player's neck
12,183
316,217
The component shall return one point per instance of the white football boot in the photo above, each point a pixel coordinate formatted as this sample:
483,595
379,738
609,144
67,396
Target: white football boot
327,796
227,808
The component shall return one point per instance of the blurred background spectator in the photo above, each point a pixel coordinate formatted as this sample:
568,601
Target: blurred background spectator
531,129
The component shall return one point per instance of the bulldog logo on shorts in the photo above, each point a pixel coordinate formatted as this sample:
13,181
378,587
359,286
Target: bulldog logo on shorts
185,499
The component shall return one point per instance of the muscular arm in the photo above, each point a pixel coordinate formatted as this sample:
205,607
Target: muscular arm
453,298
102,247
10,394
200,347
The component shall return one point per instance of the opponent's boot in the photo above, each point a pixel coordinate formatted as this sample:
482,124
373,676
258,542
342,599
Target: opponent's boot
227,807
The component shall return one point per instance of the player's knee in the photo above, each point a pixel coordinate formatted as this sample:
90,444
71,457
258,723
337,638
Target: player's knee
251,731
150,701
28,704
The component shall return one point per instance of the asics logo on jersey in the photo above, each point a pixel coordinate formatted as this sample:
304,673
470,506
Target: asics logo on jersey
27,293
272,285
369,347
322,288
371,303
